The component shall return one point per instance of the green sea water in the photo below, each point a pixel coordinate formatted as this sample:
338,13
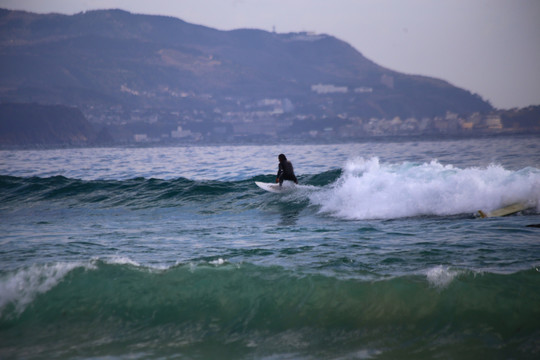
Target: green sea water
175,253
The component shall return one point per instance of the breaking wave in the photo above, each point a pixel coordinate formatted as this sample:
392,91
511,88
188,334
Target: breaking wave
363,189
368,189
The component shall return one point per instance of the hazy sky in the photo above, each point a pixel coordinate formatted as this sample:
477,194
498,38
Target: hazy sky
489,47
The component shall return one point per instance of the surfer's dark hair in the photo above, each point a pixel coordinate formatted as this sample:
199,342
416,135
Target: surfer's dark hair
282,157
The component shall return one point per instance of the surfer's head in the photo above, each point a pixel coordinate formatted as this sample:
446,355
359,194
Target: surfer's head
282,158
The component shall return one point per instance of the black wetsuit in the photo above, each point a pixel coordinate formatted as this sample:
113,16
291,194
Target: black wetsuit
286,172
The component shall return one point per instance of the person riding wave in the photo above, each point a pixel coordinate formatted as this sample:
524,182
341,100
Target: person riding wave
285,170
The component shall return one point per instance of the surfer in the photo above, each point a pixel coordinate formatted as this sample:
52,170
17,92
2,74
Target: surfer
285,170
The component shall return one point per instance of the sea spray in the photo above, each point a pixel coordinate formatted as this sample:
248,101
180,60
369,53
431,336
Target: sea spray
369,189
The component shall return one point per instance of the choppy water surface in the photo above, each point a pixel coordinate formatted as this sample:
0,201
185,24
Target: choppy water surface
175,253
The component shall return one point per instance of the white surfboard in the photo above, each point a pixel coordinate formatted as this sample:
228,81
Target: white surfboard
287,186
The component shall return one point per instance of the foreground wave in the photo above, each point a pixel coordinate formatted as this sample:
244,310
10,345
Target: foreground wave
213,308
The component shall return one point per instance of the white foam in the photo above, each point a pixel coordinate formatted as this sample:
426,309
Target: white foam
120,260
22,286
441,276
368,189
216,262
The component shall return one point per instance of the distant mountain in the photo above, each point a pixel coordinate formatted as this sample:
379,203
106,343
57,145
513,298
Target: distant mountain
46,125
111,57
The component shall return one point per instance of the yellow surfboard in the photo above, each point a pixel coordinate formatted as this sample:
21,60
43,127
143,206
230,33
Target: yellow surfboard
507,210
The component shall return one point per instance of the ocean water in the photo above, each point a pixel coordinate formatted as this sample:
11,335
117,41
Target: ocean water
165,253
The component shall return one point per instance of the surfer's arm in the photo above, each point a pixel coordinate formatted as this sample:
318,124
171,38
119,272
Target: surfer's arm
279,176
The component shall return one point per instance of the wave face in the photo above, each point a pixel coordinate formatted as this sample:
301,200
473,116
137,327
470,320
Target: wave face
142,193
214,309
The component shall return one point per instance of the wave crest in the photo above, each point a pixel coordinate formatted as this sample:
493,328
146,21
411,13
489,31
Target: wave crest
20,288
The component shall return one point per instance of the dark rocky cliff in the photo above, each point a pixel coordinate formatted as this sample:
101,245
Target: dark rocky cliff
114,57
